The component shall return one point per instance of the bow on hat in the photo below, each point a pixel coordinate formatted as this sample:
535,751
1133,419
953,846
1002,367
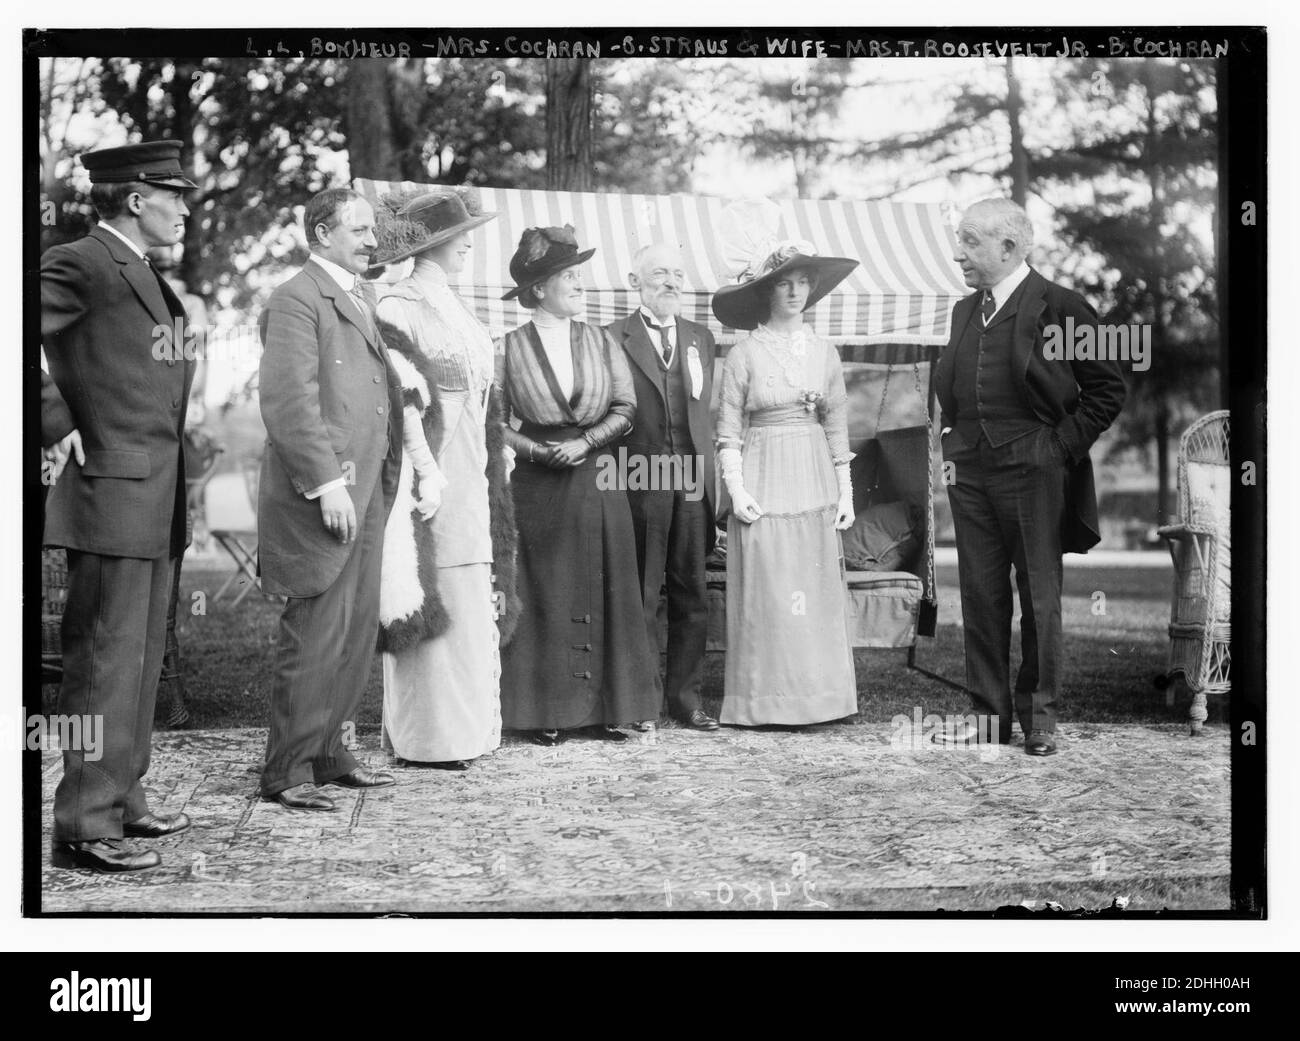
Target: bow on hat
751,241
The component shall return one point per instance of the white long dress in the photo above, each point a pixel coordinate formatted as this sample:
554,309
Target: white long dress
789,658
442,697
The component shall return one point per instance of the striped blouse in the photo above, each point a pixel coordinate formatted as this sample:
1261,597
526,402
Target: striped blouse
602,381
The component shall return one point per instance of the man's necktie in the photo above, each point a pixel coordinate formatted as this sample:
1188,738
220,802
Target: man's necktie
361,292
987,307
665,345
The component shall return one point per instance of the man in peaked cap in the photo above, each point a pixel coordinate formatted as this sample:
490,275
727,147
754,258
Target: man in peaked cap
113,415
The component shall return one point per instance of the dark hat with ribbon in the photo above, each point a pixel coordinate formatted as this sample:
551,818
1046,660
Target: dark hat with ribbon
739,306
151,162
408,225
542,253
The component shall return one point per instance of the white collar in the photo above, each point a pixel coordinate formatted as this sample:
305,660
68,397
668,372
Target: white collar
113,231
543,319
1003,290
652,322
346,280
428,273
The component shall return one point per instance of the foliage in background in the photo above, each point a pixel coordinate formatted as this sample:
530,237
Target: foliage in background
1121,154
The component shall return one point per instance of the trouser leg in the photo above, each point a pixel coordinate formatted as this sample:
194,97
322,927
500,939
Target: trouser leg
325,649
114,631
361,627
1034,526
136,802
652,522
984,570
688,607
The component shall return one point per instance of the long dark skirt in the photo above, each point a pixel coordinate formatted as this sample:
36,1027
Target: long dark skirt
580,655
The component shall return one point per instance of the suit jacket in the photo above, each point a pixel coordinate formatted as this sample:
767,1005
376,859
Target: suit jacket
1079,399
104,316
332,406
56,420
649,433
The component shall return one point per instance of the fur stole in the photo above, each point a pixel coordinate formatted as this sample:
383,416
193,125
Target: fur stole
411,609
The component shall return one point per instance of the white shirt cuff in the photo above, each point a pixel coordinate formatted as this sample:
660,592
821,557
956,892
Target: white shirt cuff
316,493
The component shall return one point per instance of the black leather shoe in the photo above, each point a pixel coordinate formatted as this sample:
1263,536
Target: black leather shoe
152,826
546,738
700,720
360,777
102,855
1040,742
608,733
302,797
451,764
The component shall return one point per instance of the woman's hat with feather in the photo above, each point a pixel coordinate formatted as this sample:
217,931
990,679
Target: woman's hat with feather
543,252
411,221
752,246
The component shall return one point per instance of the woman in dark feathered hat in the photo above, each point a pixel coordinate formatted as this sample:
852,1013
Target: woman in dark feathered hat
580,657
451,529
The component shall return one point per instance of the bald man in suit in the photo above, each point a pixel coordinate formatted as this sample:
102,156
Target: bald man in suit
1017,428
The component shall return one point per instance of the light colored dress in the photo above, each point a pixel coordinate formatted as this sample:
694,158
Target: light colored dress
442,696
789,659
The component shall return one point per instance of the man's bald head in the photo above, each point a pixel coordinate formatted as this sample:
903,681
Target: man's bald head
993,238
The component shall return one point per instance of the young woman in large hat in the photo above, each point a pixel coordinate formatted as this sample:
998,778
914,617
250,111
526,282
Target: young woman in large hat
580,656
451,528
783,450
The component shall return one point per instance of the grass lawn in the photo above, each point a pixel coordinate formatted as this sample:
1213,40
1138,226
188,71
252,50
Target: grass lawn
1111,657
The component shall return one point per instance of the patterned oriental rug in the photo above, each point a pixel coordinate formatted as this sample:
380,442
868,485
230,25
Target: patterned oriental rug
834,818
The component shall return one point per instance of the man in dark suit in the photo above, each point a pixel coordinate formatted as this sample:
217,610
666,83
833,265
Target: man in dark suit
113,417
332,407
671,446
1018,424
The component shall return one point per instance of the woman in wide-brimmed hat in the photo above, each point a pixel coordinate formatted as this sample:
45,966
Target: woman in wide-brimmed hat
580,657
451,527
783,450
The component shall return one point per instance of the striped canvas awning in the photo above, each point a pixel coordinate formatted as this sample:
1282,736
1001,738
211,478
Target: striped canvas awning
902,291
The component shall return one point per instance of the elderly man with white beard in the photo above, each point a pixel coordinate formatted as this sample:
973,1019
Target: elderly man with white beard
672,367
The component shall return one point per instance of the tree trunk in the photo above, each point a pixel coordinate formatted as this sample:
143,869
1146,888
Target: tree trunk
368,121
182,128
384,119
409,98
569,94
1019,157
1155,220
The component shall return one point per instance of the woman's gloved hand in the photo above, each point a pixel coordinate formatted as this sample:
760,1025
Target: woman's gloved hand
844,510
428,489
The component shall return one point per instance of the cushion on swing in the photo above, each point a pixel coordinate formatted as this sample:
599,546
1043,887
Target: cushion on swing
884,537
883,608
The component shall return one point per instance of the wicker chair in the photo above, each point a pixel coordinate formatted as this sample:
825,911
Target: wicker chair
1200,629
54,598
